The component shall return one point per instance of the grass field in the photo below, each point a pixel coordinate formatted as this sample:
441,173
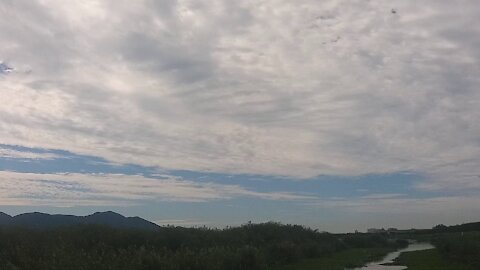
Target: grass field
428,260
349,258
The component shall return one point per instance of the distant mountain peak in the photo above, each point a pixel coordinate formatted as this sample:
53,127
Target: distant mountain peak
107,213
39,220
4,218
2,214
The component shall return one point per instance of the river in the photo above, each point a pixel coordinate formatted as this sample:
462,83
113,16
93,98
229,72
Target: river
393,255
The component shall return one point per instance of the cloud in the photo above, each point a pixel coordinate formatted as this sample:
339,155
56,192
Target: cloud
439,206
383,196
14,154
74,189
399,212
247,87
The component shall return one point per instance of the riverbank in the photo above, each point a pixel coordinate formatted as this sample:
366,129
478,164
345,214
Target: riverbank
350,258
427,260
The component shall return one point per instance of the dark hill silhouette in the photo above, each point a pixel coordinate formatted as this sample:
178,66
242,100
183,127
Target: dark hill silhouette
46,221
116,220
4,218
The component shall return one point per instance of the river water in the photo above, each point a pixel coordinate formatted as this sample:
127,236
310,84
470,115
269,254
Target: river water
391,256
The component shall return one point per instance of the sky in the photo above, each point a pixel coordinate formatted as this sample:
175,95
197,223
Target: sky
335,114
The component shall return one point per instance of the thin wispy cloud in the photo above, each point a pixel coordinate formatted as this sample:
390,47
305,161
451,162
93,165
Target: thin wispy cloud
15,154
71,189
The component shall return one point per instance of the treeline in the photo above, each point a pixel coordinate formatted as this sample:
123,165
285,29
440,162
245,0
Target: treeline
467,227
249,247
460,247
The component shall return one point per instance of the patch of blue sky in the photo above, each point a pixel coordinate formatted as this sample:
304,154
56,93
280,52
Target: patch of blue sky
323,186
66,162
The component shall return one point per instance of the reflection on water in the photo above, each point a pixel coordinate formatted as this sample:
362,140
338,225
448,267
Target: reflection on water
391,256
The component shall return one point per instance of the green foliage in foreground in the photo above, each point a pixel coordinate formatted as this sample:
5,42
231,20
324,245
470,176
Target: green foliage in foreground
345,259
459,247
249,247
429,260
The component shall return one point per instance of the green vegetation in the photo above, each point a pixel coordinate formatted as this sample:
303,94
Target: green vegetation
459,247
249,247
345,259
429,260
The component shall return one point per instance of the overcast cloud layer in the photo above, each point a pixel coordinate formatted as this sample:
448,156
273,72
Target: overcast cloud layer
282,88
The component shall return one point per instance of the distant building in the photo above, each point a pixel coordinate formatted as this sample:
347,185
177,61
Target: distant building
373,230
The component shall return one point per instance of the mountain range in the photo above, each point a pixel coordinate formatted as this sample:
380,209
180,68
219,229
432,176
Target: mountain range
38,220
